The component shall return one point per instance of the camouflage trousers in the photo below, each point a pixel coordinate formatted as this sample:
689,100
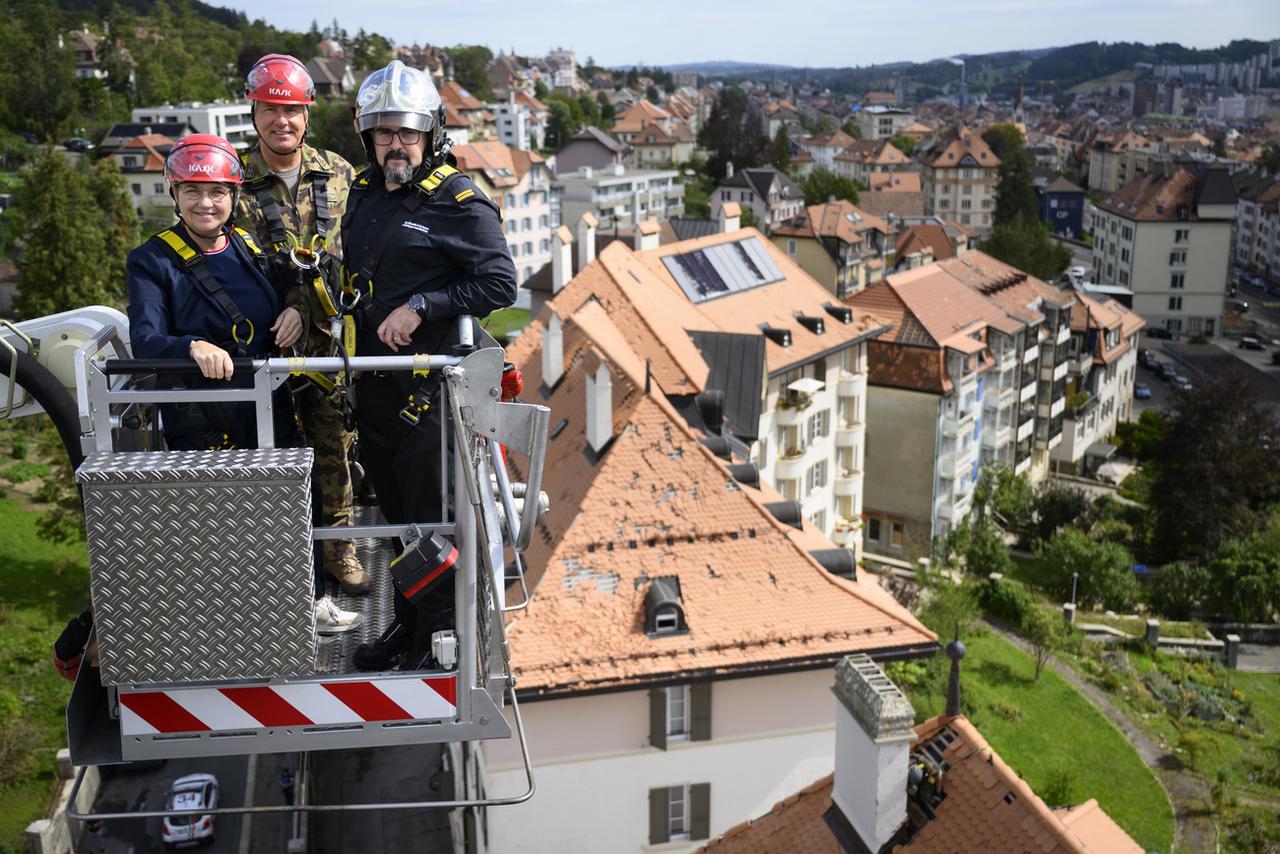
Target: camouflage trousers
323,430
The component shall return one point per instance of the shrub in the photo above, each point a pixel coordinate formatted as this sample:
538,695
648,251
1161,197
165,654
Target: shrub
1196,745
950,605
1058,788
1176,587
18,447
985,551
24,470
1056,507
1005,709
1007,601
1102,568
1198,339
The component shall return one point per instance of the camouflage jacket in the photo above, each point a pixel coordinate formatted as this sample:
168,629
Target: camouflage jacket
298,214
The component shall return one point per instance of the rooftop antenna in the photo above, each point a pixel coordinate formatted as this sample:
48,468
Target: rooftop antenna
955,651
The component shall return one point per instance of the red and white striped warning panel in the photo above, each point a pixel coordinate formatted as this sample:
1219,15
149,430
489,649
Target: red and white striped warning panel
300,704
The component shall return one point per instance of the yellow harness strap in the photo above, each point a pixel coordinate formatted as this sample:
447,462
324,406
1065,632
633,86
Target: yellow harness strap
437,177
185,251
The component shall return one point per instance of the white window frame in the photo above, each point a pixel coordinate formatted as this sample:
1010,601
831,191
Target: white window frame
678,818
678,712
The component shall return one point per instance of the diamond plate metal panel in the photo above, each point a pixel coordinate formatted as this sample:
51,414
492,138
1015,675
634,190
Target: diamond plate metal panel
201,564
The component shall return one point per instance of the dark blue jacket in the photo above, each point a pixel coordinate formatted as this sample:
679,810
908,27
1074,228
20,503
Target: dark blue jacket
168,310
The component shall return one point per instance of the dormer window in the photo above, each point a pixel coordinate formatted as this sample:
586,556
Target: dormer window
664,610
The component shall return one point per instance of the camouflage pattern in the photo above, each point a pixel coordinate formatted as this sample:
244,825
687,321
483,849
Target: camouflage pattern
322,424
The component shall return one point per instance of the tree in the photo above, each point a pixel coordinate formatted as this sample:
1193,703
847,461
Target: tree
589,109
852,128
748,218
1218,468
1057,506
1141,439
38,75
76,225
331,127
607,110
1245,576
651,94
1008,497
903,143
821,185
1102,568
1025,244
1176,588
369,51
780,150
1015,191
1044,631
734,133
540,90
471,69
564,119
986,551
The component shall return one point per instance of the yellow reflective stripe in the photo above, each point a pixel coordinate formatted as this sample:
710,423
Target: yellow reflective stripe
435,178
349,335
326,300
248,240
465,194
420,362
177,244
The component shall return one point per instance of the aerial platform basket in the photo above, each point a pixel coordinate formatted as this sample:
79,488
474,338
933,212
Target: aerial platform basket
202,580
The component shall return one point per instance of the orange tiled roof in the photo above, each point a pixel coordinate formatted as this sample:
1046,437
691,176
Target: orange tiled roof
839,219
934,237
653,134
988,809
458,99
490,157
151,143
961,147
894,182
634,118
657,503
1155,197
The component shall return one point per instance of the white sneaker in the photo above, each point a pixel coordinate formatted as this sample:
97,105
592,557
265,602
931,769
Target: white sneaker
332,620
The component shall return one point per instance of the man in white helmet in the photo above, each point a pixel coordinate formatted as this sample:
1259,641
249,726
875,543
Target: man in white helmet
423,245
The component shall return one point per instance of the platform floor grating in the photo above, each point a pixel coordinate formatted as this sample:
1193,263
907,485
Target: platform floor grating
333,654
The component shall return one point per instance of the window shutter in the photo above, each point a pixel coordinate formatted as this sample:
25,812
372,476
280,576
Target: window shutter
700,699
659,828
700,811
658,718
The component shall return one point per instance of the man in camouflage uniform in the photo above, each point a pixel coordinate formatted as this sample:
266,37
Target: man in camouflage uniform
293,195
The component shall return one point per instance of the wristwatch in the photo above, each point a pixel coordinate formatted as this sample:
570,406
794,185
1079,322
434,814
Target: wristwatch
418,305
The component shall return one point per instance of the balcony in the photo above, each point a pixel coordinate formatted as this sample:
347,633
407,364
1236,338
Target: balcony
790,465
848,435
1060,371
1057,407
792,407
1031,354
1080,404
1055,439
1022,467
845,532
848,483
1025,429
1028,392
1064,333
997,437
852,384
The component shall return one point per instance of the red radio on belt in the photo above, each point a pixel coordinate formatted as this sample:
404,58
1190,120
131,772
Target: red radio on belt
422,566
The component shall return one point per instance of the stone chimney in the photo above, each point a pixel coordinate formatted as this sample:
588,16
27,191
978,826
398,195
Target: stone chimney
728,170
599,408
552,351
730,217
646,237
561,259
873,745
586,239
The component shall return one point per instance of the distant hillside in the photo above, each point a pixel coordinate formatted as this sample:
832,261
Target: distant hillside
723,67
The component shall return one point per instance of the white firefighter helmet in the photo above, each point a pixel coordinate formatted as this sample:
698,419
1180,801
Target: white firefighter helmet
398,96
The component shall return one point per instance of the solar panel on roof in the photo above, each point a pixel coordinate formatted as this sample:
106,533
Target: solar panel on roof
723,269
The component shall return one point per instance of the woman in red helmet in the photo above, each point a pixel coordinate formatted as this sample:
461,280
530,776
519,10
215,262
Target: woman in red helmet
197,290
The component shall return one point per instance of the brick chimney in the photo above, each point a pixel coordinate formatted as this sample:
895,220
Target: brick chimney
647,235
730,217
599,408
873,744
586,239
561,259
552,351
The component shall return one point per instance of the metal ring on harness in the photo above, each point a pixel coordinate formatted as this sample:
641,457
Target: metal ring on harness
235,335
303,258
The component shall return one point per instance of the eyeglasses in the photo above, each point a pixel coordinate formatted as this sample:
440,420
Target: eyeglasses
409,136
216,193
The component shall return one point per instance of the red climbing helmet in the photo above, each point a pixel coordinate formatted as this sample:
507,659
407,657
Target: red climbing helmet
278,78
203,157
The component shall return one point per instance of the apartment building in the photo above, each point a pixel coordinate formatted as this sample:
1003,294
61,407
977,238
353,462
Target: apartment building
865,158
521,183
679,630
959,178
1258,225
618,196
841,246
632,121
1117,160
141,163
520,121
771,195
1167,237
972,371
467,119
1103,360
230,120
823,147
657,147
883,122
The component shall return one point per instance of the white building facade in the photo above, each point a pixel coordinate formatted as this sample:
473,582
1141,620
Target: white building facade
617,196
232,120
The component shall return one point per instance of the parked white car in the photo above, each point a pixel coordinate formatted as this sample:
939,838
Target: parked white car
192,792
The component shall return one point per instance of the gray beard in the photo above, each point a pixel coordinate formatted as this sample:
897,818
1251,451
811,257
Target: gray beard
398,174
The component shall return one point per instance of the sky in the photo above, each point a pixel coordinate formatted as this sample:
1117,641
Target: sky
817,33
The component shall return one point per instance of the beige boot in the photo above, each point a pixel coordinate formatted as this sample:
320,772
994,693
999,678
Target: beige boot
344,566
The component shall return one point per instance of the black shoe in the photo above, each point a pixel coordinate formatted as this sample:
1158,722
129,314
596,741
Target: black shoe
383,653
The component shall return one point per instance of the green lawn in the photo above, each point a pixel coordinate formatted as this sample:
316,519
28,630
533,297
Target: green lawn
1031,571
505,321
43,586
1046,729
